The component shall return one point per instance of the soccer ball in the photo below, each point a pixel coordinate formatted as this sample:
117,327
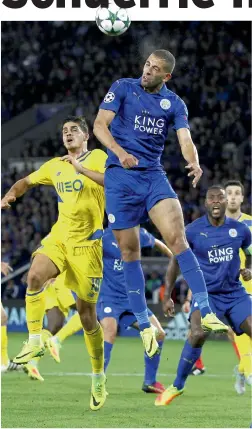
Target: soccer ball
113,21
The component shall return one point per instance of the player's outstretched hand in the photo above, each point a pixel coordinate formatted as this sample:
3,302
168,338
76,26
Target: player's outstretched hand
128,161
186,306
74,162
6,268
6,202
246,274
196,171
168,307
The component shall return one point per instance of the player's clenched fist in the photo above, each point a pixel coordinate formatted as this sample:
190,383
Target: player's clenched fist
246,274
196,171
168,307
128,161
6,201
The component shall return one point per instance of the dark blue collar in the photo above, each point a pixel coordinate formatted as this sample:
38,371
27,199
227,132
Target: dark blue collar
207,223
163,91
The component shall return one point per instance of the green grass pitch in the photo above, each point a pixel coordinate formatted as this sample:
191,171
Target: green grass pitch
62,400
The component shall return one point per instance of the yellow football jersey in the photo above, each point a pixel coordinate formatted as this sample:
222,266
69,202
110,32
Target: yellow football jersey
247,219
80,200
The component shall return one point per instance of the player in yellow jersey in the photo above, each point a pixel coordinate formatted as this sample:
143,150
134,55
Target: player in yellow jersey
243,372
74,245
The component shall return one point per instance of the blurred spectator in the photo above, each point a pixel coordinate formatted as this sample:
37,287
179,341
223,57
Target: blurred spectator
153,285
11,290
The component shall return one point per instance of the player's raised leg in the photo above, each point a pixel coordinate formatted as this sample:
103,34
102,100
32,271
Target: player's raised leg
168,217
129,244
42,269
94,340
190,353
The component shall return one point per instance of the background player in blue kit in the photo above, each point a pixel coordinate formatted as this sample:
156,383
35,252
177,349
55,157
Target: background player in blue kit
113,307
139,113
216,241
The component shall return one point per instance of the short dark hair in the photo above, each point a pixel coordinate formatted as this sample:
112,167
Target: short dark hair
167,57
216,187
80,120
234,183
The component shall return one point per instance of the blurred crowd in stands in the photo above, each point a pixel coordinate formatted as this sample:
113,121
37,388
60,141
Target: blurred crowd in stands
55,62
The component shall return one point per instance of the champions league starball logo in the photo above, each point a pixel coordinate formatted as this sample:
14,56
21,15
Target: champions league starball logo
183,4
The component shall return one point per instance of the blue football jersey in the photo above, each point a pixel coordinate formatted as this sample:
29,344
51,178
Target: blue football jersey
142,120
217,251
113,283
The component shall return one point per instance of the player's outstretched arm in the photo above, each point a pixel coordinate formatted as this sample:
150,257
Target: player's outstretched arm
170,278
93,175
159,245
101,131
190,154
17,190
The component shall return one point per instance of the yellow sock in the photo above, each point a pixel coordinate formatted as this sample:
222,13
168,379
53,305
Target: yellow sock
35,310
244,345
71,327
95,347
4,346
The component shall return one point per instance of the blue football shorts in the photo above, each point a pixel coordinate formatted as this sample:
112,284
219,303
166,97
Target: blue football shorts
130,194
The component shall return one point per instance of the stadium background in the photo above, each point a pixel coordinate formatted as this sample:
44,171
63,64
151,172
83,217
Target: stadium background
51,69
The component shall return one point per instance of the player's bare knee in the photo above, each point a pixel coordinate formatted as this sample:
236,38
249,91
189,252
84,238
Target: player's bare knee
197,337
110,330
177,243
34,280
130,254
109,335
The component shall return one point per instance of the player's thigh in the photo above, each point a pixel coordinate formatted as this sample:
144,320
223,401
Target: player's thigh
246,326
240,315
55,319
129,243
109,326
167,216
125,198
4,317
41,270
84,271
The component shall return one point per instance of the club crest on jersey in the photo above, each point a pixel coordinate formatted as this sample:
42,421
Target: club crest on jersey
109,97
233,233
107,310
165,104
